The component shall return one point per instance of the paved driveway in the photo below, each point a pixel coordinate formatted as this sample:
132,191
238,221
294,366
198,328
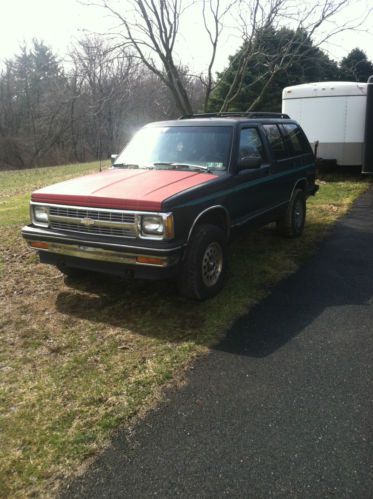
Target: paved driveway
282,408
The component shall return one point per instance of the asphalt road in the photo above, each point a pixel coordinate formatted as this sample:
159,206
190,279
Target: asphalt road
282,408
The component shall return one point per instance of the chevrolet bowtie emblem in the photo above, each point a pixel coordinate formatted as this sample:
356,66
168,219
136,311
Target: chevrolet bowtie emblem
87,221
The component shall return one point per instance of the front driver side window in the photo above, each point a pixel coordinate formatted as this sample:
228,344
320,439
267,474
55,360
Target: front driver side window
251,145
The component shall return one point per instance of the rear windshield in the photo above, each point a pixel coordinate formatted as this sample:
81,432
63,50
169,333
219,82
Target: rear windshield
182,147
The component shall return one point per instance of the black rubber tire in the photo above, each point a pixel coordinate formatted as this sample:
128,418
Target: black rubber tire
191,283
289,225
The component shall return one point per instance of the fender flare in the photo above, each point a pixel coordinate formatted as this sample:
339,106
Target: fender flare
295,185
219,207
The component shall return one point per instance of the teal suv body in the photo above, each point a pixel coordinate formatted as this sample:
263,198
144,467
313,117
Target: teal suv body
182,186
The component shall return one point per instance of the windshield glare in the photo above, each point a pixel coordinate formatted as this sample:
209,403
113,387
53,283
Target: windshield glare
178,146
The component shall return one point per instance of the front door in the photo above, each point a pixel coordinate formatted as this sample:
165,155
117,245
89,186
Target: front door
248,196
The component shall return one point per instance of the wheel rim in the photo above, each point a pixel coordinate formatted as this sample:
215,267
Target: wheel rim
298,214
212,264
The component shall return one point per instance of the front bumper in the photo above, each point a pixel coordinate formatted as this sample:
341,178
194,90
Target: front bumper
101,255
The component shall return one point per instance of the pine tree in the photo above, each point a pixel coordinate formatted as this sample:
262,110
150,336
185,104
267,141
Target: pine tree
302,64
356,66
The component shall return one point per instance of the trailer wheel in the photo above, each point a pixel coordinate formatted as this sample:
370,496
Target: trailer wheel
292,223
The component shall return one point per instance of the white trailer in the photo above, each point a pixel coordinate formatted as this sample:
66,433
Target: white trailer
339,115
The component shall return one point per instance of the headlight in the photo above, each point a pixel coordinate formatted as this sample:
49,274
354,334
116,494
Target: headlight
157,226
40,215
152,224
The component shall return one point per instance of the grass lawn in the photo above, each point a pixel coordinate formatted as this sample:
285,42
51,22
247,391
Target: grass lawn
77,362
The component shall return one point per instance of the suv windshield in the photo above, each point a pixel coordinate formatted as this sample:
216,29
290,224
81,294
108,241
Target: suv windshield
178,147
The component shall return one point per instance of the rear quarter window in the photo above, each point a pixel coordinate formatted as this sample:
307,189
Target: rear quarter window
297,141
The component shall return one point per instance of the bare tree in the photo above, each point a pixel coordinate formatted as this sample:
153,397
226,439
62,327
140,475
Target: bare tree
101,86
213,13
49,116
151,28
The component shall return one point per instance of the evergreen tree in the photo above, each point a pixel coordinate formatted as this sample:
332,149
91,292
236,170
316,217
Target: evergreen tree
302,63
37,96
356,66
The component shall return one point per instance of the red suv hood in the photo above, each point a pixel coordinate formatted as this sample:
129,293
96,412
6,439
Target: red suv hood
122,189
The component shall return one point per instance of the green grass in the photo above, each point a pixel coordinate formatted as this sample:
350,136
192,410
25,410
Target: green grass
23,181
78,361
15,187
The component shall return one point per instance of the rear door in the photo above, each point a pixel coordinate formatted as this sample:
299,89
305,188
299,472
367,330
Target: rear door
282,165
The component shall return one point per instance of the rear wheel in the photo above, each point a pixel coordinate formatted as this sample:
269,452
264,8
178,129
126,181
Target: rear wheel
204,267
292,223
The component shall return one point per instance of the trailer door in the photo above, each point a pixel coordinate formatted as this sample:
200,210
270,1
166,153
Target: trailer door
368,138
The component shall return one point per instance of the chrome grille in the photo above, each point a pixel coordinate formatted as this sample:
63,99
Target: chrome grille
104,231
109,216
93,221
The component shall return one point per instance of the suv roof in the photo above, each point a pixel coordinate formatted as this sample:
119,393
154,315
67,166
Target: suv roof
229,118
228,114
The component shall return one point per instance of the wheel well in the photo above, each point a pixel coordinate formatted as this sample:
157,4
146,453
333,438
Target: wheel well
216,216
301,184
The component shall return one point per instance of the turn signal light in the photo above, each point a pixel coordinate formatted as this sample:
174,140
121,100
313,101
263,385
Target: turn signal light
170,230
39,244
150,260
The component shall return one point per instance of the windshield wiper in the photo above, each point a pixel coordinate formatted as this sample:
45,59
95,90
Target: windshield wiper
202,167
183,165
132,165
125,165
167,163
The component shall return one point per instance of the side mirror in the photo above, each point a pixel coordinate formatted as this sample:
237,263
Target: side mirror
113,157
249,162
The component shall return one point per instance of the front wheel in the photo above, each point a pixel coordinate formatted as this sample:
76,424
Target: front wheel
204,267
292,223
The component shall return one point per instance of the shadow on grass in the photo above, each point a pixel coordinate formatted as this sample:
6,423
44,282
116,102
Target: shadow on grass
154,308
340,274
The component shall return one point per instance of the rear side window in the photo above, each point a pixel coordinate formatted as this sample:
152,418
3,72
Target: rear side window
276,141
296,139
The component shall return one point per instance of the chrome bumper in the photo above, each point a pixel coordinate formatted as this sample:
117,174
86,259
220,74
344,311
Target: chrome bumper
64,245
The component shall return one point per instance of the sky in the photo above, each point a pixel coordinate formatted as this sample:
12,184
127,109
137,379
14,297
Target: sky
58,23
